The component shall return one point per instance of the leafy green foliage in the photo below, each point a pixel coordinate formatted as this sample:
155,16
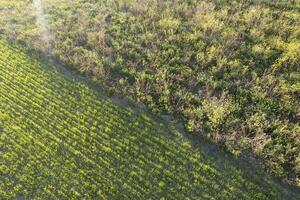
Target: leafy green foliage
60,139
229,68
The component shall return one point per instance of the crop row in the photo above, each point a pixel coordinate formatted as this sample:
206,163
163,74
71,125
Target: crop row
62,140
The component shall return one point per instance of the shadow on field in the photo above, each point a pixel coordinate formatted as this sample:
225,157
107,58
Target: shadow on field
212,155
251,167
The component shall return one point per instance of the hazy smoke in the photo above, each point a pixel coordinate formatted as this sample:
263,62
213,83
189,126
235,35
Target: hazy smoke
41,21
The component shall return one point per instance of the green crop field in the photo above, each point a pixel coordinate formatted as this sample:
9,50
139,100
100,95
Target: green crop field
61,139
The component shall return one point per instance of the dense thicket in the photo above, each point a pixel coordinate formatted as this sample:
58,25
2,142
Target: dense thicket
229,68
